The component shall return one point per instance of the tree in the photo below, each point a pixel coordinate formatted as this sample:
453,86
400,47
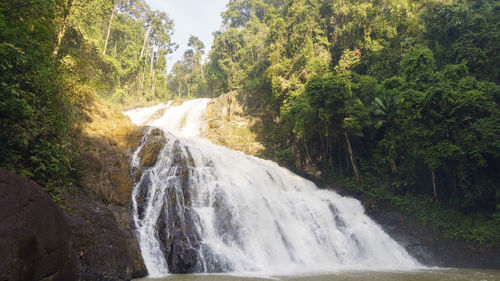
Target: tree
340,114
198,51
62,31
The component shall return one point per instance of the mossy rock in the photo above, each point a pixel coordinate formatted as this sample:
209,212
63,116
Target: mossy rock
229,124
151,149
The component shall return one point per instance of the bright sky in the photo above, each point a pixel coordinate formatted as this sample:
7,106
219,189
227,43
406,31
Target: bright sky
197,17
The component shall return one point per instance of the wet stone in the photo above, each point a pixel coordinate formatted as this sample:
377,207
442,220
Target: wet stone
143,194
151,148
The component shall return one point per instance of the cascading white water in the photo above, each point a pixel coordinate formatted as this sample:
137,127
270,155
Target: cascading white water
206,208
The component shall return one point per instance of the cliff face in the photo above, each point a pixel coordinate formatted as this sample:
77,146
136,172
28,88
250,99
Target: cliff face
230,125
101,236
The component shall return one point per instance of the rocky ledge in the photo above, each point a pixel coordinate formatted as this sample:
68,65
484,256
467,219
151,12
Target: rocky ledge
427,246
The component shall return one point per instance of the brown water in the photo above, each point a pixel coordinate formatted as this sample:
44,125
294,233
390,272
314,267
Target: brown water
421,275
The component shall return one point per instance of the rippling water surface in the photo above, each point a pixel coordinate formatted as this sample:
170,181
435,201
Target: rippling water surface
421,275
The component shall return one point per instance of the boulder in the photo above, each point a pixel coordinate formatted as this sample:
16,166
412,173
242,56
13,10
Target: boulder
34,233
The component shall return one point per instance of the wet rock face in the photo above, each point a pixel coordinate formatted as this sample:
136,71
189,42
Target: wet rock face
148,156
178,225
153,141
143,194
151,149
33,233
227,226
180,240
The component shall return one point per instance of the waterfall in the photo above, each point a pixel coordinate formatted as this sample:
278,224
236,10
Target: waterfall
200,207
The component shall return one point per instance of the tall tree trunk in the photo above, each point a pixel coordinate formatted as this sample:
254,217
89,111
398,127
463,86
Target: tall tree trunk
330,149
61,33
351,155
152,61
394,168
144,73
309,159
109,30
142,79
151,70
433,174
145,39
153,85
201,72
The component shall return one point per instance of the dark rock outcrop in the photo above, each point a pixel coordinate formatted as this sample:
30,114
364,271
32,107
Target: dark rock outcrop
103,241
177,224
34,233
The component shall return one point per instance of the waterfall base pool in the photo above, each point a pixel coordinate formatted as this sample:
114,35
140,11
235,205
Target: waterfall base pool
419,275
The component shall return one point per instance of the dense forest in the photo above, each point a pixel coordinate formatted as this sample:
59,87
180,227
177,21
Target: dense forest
55,58
398,100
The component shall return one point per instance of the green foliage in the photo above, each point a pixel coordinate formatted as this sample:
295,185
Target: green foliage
286,156
118,49
476,227
15,111
466,32
407,91
35,112
54,57
187,78
418,66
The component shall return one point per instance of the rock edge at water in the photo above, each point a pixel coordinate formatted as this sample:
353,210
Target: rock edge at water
430,248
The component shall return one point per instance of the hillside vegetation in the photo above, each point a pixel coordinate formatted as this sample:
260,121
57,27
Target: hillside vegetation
56,59
399,100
